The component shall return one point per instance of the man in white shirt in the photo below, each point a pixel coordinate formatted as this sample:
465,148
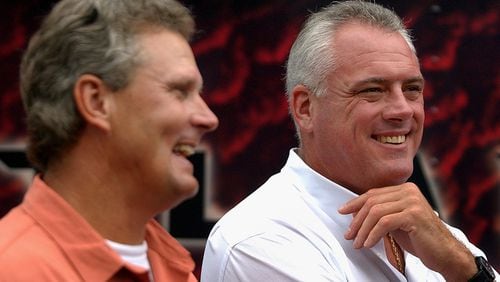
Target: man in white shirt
341,209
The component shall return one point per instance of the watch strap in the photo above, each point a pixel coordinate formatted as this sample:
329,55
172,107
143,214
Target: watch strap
484,273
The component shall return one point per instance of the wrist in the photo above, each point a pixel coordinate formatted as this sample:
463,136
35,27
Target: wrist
462,266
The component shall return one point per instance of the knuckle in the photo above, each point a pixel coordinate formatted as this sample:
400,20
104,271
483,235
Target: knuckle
370,202
415,212
414,199
384,222
377,210
412,186
370,192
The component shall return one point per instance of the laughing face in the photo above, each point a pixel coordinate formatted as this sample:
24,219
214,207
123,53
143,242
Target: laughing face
159,119
366,130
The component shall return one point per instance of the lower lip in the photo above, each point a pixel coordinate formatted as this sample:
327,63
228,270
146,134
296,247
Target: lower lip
183,161
392,144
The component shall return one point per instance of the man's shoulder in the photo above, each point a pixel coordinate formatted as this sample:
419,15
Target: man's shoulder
23,261
275,207
22,240
13,228
22,257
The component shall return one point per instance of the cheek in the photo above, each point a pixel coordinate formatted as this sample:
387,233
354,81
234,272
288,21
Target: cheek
420,114
419,117
171,125
360,117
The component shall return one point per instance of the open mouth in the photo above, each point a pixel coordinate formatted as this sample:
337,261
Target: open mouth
185,150
398,139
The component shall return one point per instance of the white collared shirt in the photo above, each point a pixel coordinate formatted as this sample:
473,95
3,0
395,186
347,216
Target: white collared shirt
289,230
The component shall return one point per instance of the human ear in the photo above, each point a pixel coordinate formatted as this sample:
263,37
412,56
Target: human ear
92,100
301,107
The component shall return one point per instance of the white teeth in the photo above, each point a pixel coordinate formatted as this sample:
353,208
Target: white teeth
184,149
392,139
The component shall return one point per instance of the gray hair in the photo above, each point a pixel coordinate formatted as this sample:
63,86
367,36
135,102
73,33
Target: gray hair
312,57
84,37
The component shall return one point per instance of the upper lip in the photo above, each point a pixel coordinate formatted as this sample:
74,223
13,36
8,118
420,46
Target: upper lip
392,132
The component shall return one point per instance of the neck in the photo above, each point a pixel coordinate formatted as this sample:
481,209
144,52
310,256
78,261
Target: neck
103,198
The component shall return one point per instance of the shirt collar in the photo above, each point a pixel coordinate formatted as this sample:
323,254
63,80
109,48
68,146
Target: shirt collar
328,195
167,249
84,247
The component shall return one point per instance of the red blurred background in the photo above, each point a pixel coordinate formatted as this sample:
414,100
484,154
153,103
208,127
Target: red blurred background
241,48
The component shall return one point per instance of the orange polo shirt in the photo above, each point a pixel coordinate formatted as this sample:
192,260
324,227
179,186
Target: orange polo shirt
45,239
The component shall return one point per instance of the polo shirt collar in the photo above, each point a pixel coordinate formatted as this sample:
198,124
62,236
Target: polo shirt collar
84,247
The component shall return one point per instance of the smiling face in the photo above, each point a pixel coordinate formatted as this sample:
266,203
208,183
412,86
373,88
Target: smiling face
366,130
158,120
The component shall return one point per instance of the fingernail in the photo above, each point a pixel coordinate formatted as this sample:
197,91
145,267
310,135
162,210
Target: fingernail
357,244
347,234
366,244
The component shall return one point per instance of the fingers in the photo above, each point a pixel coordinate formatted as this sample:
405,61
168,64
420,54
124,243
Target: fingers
356,204
380,211
373,201
380,229
371,224
404,212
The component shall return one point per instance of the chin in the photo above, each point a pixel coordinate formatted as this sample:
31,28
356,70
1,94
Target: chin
181,195
396,179
190,189
391,176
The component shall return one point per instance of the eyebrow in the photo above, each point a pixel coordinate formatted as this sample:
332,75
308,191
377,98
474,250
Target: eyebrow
186,84
418,79
379,80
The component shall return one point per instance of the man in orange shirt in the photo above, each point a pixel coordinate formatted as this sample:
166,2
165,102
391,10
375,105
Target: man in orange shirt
112,95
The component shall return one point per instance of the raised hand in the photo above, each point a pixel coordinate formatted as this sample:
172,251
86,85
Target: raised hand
404,212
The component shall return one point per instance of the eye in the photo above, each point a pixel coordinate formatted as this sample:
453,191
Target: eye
183,89
371,94
181,93
371,90
413,92
178,92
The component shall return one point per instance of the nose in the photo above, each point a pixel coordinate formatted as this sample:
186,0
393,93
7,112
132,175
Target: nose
398,107
204,117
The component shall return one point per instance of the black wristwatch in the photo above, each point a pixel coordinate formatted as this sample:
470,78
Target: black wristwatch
484,271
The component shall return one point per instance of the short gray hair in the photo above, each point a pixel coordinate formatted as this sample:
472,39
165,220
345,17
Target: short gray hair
84,37
312,57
